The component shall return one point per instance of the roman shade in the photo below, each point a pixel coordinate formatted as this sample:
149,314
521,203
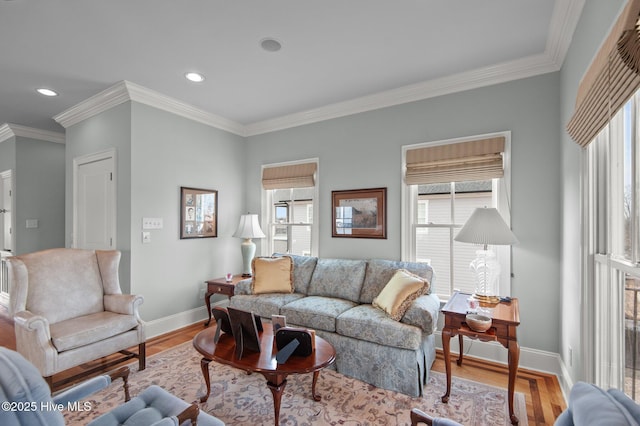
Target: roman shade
289,176
464,161
611,79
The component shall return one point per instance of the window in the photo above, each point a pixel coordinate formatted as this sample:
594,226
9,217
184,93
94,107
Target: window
612,197
435,212
289,192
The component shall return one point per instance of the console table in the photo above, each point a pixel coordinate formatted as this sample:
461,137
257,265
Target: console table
505,320
219,286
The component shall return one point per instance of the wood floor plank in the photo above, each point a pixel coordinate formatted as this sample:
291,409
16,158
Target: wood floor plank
543,396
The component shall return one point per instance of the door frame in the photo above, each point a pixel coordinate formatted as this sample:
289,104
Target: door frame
86,159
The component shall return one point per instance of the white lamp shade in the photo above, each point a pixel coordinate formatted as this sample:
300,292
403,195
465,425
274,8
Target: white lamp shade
486,226
249,227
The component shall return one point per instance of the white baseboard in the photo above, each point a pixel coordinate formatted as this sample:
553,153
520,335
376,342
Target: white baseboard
182,319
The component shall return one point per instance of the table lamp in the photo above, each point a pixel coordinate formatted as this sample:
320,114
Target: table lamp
248,228
486,227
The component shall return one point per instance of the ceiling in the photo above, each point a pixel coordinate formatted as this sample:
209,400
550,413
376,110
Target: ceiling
337,57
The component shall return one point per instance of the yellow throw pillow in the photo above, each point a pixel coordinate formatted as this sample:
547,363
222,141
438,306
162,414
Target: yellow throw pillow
401,290
272,275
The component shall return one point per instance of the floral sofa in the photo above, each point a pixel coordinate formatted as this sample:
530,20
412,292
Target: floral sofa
334,297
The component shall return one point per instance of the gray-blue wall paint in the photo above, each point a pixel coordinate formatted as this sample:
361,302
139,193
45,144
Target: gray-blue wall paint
364,151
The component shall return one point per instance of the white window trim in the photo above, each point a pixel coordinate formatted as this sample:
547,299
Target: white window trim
409,214
266,204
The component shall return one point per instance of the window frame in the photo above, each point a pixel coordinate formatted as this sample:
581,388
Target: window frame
501,194
267,204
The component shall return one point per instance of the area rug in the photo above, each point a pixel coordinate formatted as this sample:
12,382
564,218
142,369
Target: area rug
241,399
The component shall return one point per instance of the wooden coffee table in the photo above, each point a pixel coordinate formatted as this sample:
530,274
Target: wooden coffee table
263,362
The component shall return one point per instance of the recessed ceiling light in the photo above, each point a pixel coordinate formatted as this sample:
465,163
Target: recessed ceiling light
270,44
195,77
46,92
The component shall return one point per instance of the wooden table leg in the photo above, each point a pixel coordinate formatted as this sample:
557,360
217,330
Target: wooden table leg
459,362
204,366
446,337
514,358
207,305
276,391
315,396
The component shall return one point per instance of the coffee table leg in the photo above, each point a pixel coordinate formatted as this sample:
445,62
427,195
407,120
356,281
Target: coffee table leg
276,391
315,396
204,366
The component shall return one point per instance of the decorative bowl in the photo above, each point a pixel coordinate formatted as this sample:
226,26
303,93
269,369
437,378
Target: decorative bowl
479,323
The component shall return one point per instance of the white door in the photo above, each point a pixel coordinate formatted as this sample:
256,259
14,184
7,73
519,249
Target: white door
95,207
6,195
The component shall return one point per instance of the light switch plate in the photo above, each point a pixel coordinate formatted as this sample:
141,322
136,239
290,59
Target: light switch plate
151,223
146,237
32,223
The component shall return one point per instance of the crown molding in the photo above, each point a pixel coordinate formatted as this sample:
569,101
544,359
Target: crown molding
125,91
501,73
9,130
566,14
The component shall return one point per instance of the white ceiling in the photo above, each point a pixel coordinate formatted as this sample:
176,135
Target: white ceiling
337,56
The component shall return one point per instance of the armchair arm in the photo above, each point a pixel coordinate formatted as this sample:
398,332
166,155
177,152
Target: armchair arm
91,386
126,304
189,413
243,287
423,313
33,340
418,416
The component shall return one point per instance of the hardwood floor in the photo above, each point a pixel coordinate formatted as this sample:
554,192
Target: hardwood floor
542,391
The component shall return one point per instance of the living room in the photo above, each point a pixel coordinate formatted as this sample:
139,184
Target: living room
160,149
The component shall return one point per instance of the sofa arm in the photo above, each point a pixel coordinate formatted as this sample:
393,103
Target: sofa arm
423,313
33,341
125,304
243,287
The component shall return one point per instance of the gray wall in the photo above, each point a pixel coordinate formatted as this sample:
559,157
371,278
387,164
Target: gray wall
39,194
364,150
595,22
169,152
38,183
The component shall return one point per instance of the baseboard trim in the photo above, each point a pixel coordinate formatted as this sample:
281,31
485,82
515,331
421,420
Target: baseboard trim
174,322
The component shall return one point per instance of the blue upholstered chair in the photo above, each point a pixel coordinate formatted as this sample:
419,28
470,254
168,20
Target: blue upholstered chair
591,405
26,400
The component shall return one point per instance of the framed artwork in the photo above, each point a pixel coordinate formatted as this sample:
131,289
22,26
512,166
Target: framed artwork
198,213
359,213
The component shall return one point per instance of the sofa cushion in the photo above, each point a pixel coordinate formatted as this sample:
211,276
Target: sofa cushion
303,267
629,404
366,322
316,312
340,278
401,290
272,275
423,313
264,305
81,331
380,271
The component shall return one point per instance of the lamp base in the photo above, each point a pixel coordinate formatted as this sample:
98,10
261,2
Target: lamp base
490,300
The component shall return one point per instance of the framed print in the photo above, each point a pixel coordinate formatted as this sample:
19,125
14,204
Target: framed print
359,213
198,213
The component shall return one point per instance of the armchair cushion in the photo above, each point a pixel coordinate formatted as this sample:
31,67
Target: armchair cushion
87,329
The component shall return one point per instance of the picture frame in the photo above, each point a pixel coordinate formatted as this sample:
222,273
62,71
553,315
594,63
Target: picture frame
359,213
198,213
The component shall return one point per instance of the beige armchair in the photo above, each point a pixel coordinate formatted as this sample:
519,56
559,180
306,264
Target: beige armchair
68,309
